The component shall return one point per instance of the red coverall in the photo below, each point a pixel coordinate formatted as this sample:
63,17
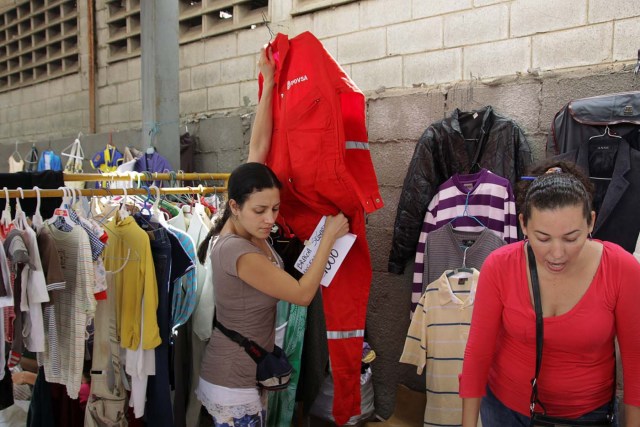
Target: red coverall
320,153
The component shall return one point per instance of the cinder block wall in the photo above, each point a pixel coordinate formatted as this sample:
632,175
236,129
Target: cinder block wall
416,60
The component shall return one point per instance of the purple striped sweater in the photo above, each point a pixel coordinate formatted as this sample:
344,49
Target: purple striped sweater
489,199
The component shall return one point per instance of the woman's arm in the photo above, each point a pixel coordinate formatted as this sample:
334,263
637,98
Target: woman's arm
627,324
631,416
263,124
257,271
470,411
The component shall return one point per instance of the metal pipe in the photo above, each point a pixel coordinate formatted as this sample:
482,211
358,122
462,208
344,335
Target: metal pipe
30,194
155,176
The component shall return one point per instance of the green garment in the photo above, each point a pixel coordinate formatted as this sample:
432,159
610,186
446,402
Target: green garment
281,403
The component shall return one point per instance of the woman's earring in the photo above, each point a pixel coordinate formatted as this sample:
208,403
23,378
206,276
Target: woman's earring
590,236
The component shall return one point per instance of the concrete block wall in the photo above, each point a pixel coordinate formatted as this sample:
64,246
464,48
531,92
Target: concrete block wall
383,44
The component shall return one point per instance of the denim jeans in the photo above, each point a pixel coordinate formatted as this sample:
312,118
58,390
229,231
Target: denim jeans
494,414
255,420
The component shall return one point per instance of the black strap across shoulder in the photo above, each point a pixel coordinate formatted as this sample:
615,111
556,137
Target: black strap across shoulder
535,288
537,303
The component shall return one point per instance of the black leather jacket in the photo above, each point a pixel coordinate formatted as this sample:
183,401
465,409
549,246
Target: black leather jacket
461,143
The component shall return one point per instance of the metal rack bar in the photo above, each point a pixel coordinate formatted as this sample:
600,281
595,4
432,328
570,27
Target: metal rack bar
151,176
30,193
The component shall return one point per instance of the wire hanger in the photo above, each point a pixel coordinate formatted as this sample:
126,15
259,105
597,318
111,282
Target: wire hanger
606,133
16,153
465,213
266,23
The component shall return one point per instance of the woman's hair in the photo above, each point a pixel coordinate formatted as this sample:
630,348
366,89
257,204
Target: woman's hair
557,184
244,180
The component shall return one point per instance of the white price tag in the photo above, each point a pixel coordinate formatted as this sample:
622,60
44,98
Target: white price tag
336,257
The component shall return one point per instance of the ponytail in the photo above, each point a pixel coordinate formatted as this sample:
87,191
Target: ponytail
215,230
245,180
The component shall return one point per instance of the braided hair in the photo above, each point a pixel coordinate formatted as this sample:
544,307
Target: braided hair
557,184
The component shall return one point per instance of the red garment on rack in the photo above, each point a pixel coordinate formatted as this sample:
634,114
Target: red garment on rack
320,153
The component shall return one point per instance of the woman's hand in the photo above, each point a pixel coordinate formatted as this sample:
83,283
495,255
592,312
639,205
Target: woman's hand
266,64
336,226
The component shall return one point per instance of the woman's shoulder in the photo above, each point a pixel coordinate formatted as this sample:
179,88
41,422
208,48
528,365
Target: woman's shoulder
614,254
232,242
508,252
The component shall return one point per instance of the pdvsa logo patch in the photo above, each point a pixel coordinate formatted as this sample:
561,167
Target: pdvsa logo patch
297,80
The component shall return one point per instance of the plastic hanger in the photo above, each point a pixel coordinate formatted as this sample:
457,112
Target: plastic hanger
74,150
464,271
123,212
5,219
465,213
36,220
62,211
20,219
156,213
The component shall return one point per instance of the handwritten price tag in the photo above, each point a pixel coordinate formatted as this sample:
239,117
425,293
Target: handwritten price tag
336,257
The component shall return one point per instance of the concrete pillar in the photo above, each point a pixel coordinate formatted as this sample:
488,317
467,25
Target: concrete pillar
160,82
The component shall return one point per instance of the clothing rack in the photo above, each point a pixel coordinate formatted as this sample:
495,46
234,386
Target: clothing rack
30,193
129,176
148,176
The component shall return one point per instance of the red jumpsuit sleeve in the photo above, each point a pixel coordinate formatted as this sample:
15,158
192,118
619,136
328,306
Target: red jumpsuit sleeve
486,324
627,318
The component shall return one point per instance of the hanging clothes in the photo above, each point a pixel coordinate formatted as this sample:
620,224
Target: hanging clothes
153,162
42,180
602,136
448,248
129,254
324,172
616,201
15,165
436,340
476,201
49,161
456,144
74,307
581,119
31,160
293,321
188,145
18,256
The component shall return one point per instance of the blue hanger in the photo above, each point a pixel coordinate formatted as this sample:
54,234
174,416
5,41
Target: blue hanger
465,213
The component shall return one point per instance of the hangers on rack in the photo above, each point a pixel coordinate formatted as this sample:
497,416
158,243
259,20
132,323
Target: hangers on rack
62,211
5,219
465,213
20,219
36,218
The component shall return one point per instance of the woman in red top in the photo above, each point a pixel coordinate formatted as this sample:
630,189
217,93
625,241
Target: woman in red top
589,292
